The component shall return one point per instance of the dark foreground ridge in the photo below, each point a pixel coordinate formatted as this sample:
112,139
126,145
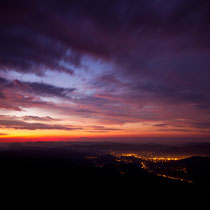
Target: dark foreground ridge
68,164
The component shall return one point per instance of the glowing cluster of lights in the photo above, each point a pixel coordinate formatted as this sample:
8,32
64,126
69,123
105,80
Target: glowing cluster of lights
151,158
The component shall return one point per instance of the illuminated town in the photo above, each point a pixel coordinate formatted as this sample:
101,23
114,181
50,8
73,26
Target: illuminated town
152,164
155,159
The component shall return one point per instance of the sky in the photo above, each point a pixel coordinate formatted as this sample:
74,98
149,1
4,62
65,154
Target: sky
73,69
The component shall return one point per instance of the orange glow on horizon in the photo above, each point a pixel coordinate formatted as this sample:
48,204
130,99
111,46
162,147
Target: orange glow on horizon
91,137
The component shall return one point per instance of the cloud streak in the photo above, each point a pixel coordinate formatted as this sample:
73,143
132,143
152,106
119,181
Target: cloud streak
9,122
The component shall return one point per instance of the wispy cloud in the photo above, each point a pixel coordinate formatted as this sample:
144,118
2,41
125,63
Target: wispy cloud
36,118
12,122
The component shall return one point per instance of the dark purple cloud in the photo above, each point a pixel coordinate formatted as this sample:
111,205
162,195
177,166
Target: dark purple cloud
14,98
38,33
35,88
14,123
47,90
36,118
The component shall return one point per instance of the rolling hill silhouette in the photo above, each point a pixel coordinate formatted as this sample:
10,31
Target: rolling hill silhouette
71,164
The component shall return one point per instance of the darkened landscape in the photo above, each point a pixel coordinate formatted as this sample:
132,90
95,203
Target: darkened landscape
106,161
